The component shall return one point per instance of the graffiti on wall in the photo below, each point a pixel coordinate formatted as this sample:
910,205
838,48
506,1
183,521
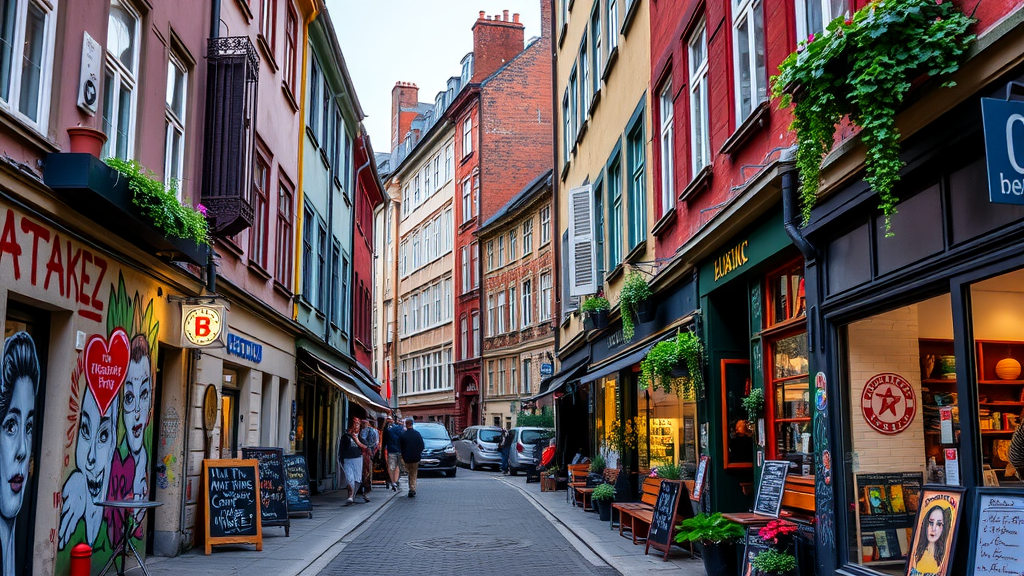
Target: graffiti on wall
109,436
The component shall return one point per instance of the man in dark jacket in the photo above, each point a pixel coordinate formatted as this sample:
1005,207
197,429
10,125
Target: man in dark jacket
411,443
506,447
392,433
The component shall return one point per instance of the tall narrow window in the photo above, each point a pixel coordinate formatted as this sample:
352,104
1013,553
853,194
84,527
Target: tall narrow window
308,227
668,173
614,213
512,246
566,129
545,225
466,279
321,267
464,337
260,213
291,35
474,263
528,236
492,316
268,23
574,105
475,317
467,200
336,298
344,305
120,80
748,53
545,296
500,311
585,86
174,140
813,15
513,317
490,255
637,192
283,258
596,33
449,163
437,172
467,137
527,375
527,313
613,25
700,140
476,193
501,251
313,119
26,47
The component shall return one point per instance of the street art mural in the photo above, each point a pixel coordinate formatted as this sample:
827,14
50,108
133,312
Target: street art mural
109,438
19,383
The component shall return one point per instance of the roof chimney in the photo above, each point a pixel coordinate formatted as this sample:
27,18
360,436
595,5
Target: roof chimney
404,98
504,15
495,42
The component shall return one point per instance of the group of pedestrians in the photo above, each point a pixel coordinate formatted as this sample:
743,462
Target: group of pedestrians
395,445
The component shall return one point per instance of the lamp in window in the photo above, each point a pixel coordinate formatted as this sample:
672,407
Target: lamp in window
1008,369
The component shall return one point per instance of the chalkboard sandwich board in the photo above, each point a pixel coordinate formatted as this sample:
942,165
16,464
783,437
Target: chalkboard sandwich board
273,496
297,484
753,545
998,531
231,503
665,517
772,487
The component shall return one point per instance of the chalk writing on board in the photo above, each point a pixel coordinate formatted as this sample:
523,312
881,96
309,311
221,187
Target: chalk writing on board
298,483
232,500
770,491
1000,540
273,498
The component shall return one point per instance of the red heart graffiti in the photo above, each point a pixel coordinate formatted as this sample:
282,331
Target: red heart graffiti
106,366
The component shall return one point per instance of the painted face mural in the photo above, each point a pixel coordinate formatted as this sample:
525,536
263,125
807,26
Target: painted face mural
96,435
20,381
138,394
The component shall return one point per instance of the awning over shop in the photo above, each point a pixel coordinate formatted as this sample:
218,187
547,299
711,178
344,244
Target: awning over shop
620,364
357,392
556,382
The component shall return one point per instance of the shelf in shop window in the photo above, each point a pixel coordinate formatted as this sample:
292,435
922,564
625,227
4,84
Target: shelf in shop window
938,381
995,432
1003,382
1001,404
801,419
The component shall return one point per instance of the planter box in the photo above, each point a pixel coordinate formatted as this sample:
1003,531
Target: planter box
101,194
595,320
646,311
548,483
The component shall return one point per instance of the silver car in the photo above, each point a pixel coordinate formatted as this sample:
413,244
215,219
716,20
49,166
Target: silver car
478,446
527,445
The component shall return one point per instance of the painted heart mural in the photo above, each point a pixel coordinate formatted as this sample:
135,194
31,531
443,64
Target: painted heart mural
106,364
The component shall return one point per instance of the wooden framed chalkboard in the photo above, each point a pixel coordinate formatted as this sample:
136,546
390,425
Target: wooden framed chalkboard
997,531
753,545
773,484
231,503
297,484
273,495
665,517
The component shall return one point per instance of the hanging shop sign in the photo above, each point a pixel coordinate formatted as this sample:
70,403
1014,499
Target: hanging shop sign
547,369
1003,122
245,349
743,253
201,325
888,403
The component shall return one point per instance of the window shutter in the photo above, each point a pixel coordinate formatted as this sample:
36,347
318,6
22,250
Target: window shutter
582,262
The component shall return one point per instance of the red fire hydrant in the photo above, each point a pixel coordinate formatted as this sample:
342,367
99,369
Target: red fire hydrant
81,560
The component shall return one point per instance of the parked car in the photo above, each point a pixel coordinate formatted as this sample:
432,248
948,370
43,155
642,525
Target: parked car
438,453
527,445
478,446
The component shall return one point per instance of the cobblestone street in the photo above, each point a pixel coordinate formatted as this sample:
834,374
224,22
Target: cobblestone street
473,524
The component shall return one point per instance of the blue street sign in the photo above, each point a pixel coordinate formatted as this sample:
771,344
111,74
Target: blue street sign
547,369
1003,121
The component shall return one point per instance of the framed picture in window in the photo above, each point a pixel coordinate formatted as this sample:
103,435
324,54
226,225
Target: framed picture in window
935,531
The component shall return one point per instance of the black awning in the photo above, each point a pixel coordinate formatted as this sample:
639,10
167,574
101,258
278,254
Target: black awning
556,382
624,362
356,391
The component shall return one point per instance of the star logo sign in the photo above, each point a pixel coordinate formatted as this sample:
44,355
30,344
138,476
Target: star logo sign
889,402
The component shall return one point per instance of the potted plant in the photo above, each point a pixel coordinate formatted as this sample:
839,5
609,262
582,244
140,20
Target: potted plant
862,67
161,205
753,403
602,497
774,563
667,471
86,140
549,479
634,291
717,536
595,310
597,464
661,367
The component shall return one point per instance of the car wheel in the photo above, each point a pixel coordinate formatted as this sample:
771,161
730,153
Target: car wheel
472,462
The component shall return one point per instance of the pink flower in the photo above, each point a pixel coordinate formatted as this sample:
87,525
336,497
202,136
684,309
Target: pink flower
810,38
201,209
938,2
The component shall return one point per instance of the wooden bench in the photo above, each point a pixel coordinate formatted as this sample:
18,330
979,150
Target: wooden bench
578,485
577,479
636,517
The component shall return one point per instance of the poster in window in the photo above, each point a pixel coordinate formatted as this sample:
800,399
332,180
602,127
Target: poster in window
935,531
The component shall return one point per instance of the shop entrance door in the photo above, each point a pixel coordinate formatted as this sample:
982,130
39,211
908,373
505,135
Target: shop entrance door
228,421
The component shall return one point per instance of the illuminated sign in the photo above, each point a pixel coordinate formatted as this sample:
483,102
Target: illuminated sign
201,325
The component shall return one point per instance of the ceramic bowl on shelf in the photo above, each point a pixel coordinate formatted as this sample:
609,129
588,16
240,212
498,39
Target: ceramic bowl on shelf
1008,369
947,367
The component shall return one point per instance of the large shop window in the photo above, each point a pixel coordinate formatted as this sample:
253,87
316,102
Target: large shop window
672,429
788,387
901,379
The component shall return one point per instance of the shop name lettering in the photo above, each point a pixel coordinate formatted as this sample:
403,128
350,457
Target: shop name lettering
76,273
731,260
251,351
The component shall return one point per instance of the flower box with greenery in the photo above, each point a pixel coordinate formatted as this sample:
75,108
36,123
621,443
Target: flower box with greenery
667,471
753,403
717,536
595,310
660,365
161,205
774,563
602,498
862,67
549,479
634,291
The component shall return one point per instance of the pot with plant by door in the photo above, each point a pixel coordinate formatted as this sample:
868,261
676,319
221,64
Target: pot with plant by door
635,291
602,498
595,313
717,536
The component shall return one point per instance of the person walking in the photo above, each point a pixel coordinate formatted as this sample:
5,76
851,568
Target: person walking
393,450
350,454
371,439
411,443
506,447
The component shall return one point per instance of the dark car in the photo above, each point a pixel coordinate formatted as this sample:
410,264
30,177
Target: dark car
438,452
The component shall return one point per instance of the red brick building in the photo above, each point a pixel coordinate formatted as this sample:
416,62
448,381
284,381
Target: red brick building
369,195
506,104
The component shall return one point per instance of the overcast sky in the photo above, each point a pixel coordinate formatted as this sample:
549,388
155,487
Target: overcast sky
419,41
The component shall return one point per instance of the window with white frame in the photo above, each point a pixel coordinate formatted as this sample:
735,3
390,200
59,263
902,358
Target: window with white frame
464,337
585,87
26,54
475,323
527,236
512,246
467,137
449,163
545,296
668,173
474,263
613,25
813,15
748,56
527,313
467,200
545,225
513,318
501,251
501,377
526,385
566,128
490,255
437,172
476,193
501,313
492,316
575,113
465,270
174,141
596,33
122,65
700,139
513,380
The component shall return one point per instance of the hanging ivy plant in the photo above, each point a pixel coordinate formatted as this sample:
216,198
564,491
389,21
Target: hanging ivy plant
161,205
862,67
657,367
634,291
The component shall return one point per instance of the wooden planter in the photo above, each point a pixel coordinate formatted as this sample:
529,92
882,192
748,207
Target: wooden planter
548,483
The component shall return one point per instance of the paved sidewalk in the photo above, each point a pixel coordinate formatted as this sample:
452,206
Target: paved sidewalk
311,540
617,551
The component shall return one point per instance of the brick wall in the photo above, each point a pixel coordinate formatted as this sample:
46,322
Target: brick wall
496,40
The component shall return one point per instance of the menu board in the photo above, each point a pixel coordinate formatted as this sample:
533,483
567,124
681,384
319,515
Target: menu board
999,532
297,484
663,519
773,484
231,503
273,498
753,545
888,504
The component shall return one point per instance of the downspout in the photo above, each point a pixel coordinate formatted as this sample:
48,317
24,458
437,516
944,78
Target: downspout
352,243
211,265
556,249
300,213
790,215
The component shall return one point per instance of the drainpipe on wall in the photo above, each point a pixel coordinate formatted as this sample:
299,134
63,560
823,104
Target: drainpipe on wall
790,214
